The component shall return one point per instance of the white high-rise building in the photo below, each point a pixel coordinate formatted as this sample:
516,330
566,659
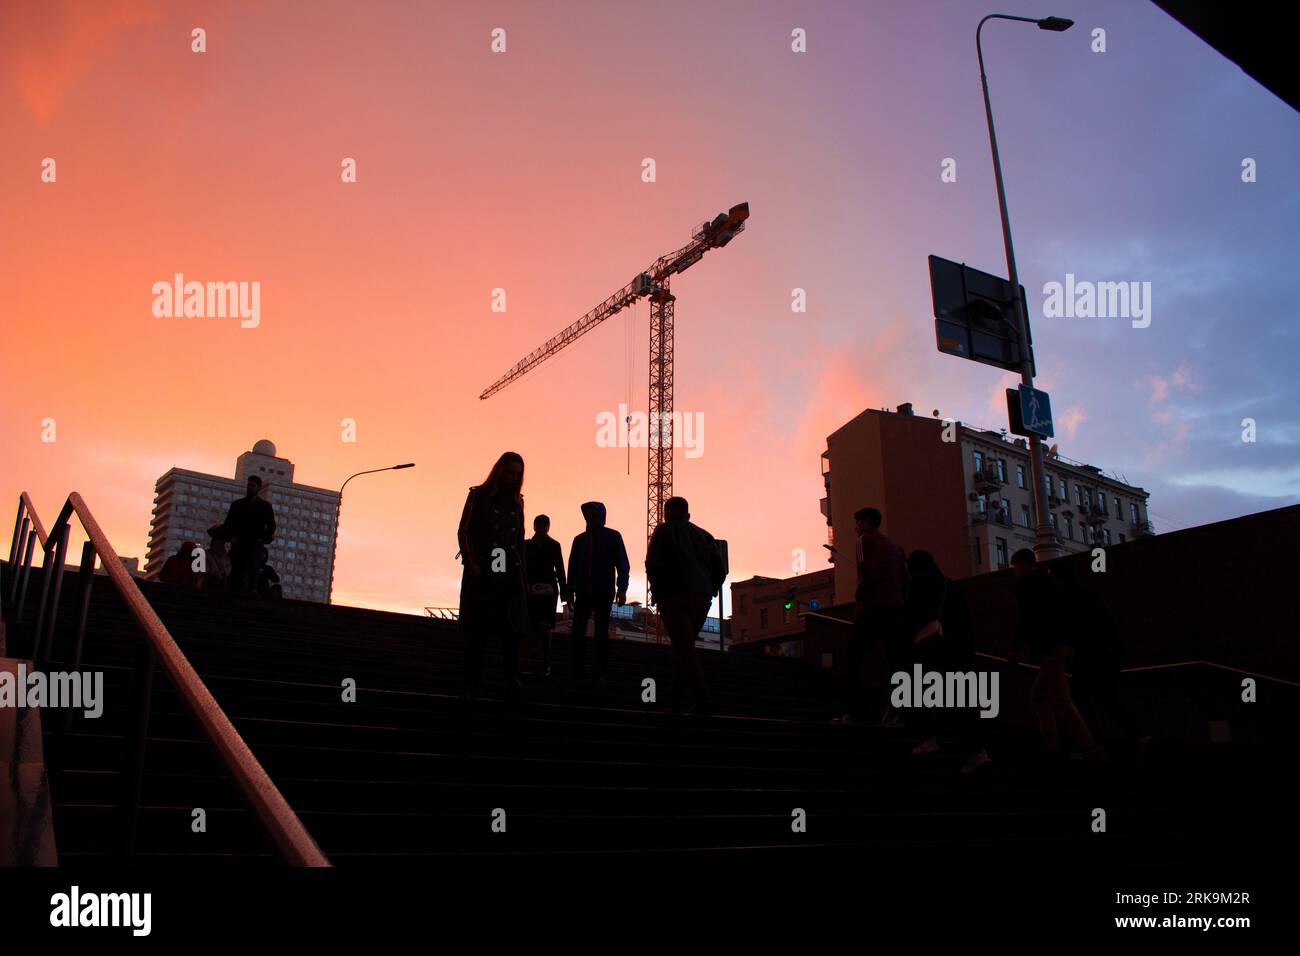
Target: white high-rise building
188,503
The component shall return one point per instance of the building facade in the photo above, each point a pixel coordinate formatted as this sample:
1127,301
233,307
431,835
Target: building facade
758,605
962,493
187,503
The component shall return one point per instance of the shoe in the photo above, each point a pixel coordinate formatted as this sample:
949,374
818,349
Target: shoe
981,759
926,747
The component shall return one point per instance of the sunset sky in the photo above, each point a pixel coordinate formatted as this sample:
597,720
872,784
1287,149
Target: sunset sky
522,170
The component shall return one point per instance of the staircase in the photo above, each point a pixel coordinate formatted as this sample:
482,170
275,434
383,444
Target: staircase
411,771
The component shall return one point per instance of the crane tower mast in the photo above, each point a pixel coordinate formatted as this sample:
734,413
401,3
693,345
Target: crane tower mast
653,283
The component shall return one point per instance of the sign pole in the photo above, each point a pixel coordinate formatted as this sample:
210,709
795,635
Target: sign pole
1046,545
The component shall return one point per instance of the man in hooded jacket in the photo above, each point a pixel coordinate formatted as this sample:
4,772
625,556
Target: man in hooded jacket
598,573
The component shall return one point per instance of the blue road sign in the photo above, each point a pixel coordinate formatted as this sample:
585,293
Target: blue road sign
1036,411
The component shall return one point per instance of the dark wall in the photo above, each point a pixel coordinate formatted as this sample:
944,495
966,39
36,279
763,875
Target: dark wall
1223,592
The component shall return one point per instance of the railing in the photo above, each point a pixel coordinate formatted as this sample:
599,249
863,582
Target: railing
1123,670
291,839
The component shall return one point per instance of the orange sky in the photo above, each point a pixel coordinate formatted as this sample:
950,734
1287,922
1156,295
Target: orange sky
475,171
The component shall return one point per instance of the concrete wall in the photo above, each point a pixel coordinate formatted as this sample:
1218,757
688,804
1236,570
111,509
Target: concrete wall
1221,592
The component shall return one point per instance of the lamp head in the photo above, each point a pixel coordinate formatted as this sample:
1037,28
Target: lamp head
1055,24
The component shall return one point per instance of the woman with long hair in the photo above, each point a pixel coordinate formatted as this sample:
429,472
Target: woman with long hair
493,589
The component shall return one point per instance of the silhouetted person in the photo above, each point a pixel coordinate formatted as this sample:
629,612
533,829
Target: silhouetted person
217,564
598,573
249,527
1098,657
268,582
546,584
879,614
943,639
1041,609
684,568
493,595
178,570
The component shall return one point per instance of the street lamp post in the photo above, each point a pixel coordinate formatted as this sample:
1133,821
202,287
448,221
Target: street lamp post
1046,544
338,517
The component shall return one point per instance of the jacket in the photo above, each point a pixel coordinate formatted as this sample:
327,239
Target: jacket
249,520
598,564
682,558
882,571
1040,613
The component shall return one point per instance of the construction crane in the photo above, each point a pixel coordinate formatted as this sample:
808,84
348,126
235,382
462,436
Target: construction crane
653,282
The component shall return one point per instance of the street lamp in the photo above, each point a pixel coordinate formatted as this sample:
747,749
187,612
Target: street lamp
1046,544
338,517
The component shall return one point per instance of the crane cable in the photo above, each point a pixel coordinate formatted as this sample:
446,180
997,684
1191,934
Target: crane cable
629,337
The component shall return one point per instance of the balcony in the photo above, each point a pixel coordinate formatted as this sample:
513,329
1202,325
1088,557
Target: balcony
986,479
1142,529
998,517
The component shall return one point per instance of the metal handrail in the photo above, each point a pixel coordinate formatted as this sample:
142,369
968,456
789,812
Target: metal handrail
1123,670
295,845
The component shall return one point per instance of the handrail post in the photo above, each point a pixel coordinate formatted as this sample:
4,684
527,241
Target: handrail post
45,643
133,780
86,579
22,575
20,539
41,609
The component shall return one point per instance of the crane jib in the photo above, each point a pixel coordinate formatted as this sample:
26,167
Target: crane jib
713,234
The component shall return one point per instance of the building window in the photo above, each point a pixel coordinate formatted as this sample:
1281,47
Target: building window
1119,512
982,504
744,604
1002,552
1002,469
1020,478
1052,516
1105,535
1078,496
762,618
1069,530
1121,537
1065,490
1133,511
1083,531
1024,515
978,457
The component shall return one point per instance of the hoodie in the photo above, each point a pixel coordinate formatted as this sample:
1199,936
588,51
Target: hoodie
598,564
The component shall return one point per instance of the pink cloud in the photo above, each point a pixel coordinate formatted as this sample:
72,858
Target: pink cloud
1071,419
52,46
